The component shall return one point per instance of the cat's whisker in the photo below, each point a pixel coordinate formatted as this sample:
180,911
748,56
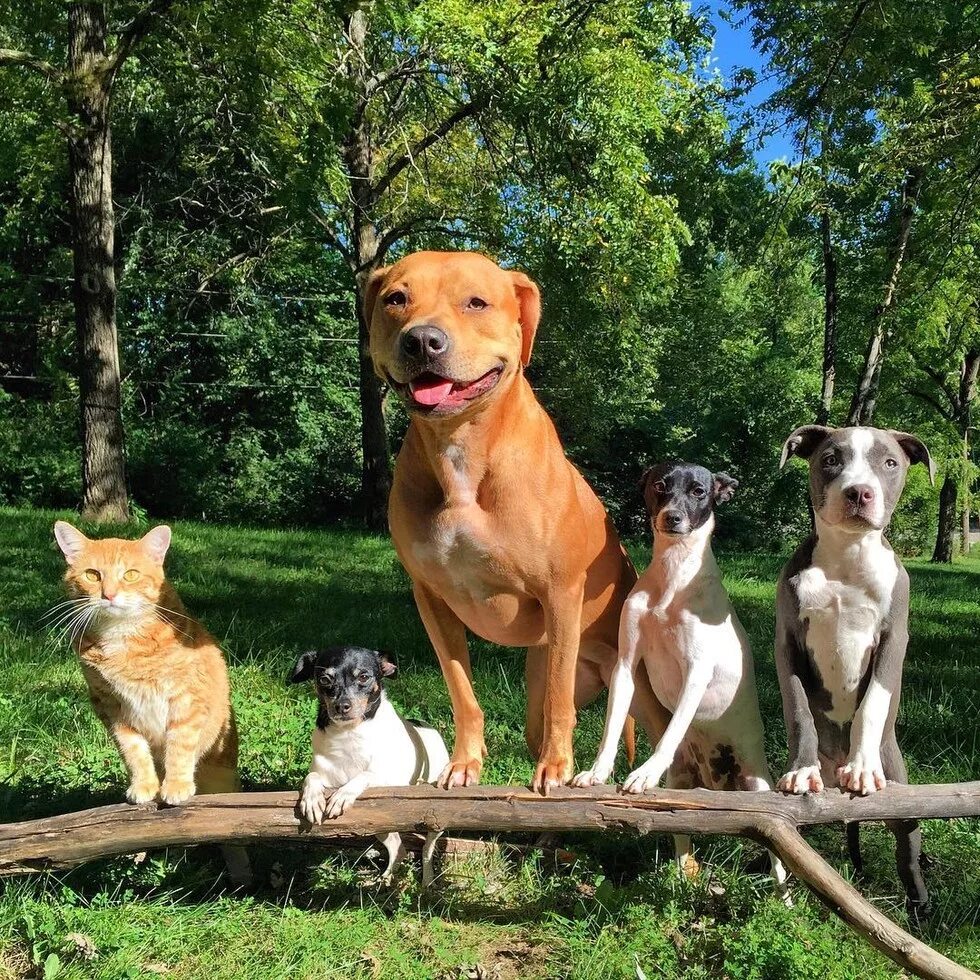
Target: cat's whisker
58,609
65,619
171,612
173,626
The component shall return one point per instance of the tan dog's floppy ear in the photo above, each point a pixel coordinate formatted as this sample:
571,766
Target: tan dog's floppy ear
916,451
803,441
371,288
529,298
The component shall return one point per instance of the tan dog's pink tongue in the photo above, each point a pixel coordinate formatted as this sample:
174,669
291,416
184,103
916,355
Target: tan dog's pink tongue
430,390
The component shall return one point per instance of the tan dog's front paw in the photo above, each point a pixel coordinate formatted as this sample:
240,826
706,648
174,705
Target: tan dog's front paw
552,771
176,790
862,775
804,780
460,772
143,790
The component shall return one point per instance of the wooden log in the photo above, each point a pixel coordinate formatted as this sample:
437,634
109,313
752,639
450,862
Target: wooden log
770,818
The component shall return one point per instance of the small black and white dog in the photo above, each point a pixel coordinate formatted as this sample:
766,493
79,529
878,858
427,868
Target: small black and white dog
679,624
842,610
360,741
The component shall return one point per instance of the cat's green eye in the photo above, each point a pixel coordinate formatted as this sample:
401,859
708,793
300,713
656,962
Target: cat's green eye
131,575
91,575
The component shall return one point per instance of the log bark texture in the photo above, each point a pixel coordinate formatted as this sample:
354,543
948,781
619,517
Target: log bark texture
769,818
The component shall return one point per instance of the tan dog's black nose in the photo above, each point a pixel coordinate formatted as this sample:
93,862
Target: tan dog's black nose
425,342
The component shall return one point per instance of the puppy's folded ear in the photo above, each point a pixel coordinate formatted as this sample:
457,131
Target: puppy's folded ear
303,669
725,487
803,441
387,663
916,450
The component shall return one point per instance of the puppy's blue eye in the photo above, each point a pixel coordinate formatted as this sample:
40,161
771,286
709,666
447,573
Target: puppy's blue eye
830,460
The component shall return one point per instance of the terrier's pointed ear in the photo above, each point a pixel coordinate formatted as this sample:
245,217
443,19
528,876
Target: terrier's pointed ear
156,542
725,487
529,300
70,540
916,450
303,668
803,441
387,664
371,290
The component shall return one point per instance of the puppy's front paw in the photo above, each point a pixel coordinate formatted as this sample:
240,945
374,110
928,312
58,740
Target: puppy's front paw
143,790
806,779
176,790
313,799
862,774
595,776
341,800
643,780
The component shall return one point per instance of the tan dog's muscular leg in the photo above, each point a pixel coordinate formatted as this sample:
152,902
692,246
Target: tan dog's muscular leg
563,619
448,636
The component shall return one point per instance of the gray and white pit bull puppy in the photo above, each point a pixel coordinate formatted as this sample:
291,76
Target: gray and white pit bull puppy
842,626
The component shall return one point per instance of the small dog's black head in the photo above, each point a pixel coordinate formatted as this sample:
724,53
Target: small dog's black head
680,497
347,680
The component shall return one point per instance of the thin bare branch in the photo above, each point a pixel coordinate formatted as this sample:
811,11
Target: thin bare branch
9,56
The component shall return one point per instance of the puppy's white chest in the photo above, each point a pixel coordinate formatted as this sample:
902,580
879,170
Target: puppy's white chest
843,618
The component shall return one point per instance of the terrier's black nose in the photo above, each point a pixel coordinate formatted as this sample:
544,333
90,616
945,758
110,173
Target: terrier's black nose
343,706
425,341
673,519
860,493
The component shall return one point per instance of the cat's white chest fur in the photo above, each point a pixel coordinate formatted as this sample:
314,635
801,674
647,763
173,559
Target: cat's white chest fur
145,702
844,605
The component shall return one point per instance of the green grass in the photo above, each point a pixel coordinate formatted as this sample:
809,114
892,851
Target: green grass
613,904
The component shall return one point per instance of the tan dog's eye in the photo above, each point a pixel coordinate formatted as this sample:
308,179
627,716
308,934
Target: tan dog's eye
397,298
131,575
91,575
476,303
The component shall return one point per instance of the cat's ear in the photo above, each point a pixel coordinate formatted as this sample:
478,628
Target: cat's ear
70,540
387,664
303,668
156,542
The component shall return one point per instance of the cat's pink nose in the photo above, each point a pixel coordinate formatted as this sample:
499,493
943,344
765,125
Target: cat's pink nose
108,596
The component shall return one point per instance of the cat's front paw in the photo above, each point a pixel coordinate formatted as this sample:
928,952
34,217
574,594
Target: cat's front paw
176,790
143,790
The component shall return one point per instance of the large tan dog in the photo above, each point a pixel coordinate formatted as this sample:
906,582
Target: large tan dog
498,531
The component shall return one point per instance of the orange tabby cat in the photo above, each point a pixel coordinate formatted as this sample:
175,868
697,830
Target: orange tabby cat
157,679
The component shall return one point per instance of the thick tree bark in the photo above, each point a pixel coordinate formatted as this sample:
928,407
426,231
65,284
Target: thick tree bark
865,393
943,552
829,320
770,818
93,227
365,258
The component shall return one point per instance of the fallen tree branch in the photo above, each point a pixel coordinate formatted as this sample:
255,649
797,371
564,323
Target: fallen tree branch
769,818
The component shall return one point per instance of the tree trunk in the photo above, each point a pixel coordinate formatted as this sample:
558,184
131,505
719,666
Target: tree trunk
365,242
865,393
943,552
829,321
90,166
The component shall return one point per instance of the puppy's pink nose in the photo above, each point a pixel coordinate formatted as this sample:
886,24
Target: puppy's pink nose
860,493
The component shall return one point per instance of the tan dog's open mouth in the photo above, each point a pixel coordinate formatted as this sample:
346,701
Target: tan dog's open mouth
429,392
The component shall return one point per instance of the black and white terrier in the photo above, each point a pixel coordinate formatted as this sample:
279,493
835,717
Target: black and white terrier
360,741
678,621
